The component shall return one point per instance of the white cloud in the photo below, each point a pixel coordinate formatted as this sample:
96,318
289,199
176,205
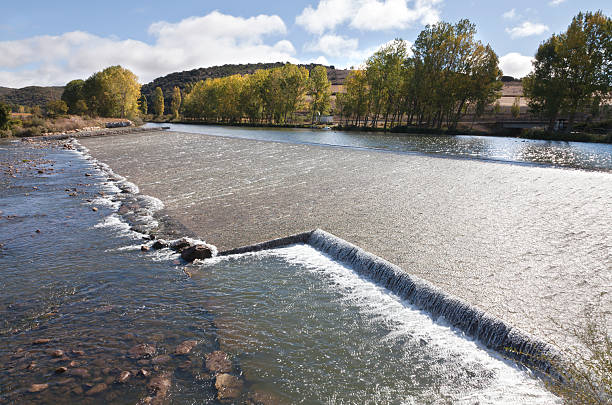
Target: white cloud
194,42
510,14
368,15
516,65
527,29
555,3
333,45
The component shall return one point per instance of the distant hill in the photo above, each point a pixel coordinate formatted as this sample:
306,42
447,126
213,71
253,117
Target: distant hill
30,96
181,79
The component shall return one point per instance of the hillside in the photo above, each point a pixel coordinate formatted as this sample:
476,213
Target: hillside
181,79
31,95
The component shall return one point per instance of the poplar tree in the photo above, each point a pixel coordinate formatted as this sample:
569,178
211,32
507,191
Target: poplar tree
158,101
319,89
175,105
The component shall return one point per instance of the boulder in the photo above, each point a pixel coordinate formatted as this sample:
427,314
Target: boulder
160,244
179,245
192,253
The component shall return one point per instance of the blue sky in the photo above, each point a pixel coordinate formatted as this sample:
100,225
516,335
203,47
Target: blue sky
50,43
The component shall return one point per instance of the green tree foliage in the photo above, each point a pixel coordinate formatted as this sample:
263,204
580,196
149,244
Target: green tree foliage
271,95
73,92
515,110
572,70
158,101
143,106
113,92
319,89
357,96
5,116
175,105
56,108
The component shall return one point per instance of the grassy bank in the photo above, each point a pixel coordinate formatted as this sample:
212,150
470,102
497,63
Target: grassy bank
32,125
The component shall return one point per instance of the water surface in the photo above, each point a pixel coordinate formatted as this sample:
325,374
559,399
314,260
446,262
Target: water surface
578,155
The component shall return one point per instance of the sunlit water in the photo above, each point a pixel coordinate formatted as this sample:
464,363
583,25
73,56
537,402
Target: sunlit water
297,325
578,155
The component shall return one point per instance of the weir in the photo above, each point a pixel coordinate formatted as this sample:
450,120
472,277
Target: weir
494,333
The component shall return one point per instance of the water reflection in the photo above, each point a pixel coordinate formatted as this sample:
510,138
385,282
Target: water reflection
578,155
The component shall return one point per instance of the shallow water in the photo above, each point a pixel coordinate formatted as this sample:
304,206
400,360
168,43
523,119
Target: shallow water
577,155
298,326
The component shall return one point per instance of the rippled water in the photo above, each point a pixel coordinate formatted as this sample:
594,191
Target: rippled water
299,327
578,155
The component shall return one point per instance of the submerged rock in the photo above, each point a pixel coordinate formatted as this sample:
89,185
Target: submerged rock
38,387
199,252
218,362
124,376
180,244
41,341
79,372
228,387
185,347
161,359
96,389
142,350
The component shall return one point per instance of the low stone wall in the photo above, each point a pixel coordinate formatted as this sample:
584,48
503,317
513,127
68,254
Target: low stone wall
98,132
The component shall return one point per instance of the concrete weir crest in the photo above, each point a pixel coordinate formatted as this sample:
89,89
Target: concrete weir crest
494,333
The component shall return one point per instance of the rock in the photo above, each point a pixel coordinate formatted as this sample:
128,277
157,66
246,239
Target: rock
109,380
96,389
57,353
200,252
99,362
144,372
78,352
144,248
73,363
79,372
160,244
41,341
38,387
124,376
218,362
180,244
65,381
185,347
161,359
160,384
106,371
142,350
228,387
94,209
78,390
61,370
87,174
38,231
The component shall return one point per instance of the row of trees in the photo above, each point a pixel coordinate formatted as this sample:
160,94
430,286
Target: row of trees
113,92
448,72
268,95
572,70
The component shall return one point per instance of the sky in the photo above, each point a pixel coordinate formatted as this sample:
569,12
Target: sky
52,42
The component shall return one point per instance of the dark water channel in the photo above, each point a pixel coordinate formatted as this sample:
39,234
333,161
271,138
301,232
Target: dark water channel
577,155
298,327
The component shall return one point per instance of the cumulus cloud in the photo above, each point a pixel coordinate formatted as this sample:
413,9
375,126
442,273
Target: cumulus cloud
194,42
555,3
368,15
527,29
516,65
333,45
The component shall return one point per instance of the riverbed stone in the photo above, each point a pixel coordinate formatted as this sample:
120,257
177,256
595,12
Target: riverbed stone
218,362
56,353
160,244
161,359
160,384
38,387
228,387
41,341
124,376
185,347
142,350
61,370
180,244
96,389
79,372
199,252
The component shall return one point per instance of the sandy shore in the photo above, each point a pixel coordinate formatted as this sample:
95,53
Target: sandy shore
530,245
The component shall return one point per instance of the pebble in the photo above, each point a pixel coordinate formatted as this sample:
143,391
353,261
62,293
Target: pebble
161,359
144,248
94,209
78,352
61,370
228,386
57,353
79,372
124,376
142,350
144,372
38,387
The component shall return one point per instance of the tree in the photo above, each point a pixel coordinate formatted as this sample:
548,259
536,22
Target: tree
572,69
80,107
176,102
142,105
73,92
516,107
5,116
113,92
319,89
158,101
56,108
